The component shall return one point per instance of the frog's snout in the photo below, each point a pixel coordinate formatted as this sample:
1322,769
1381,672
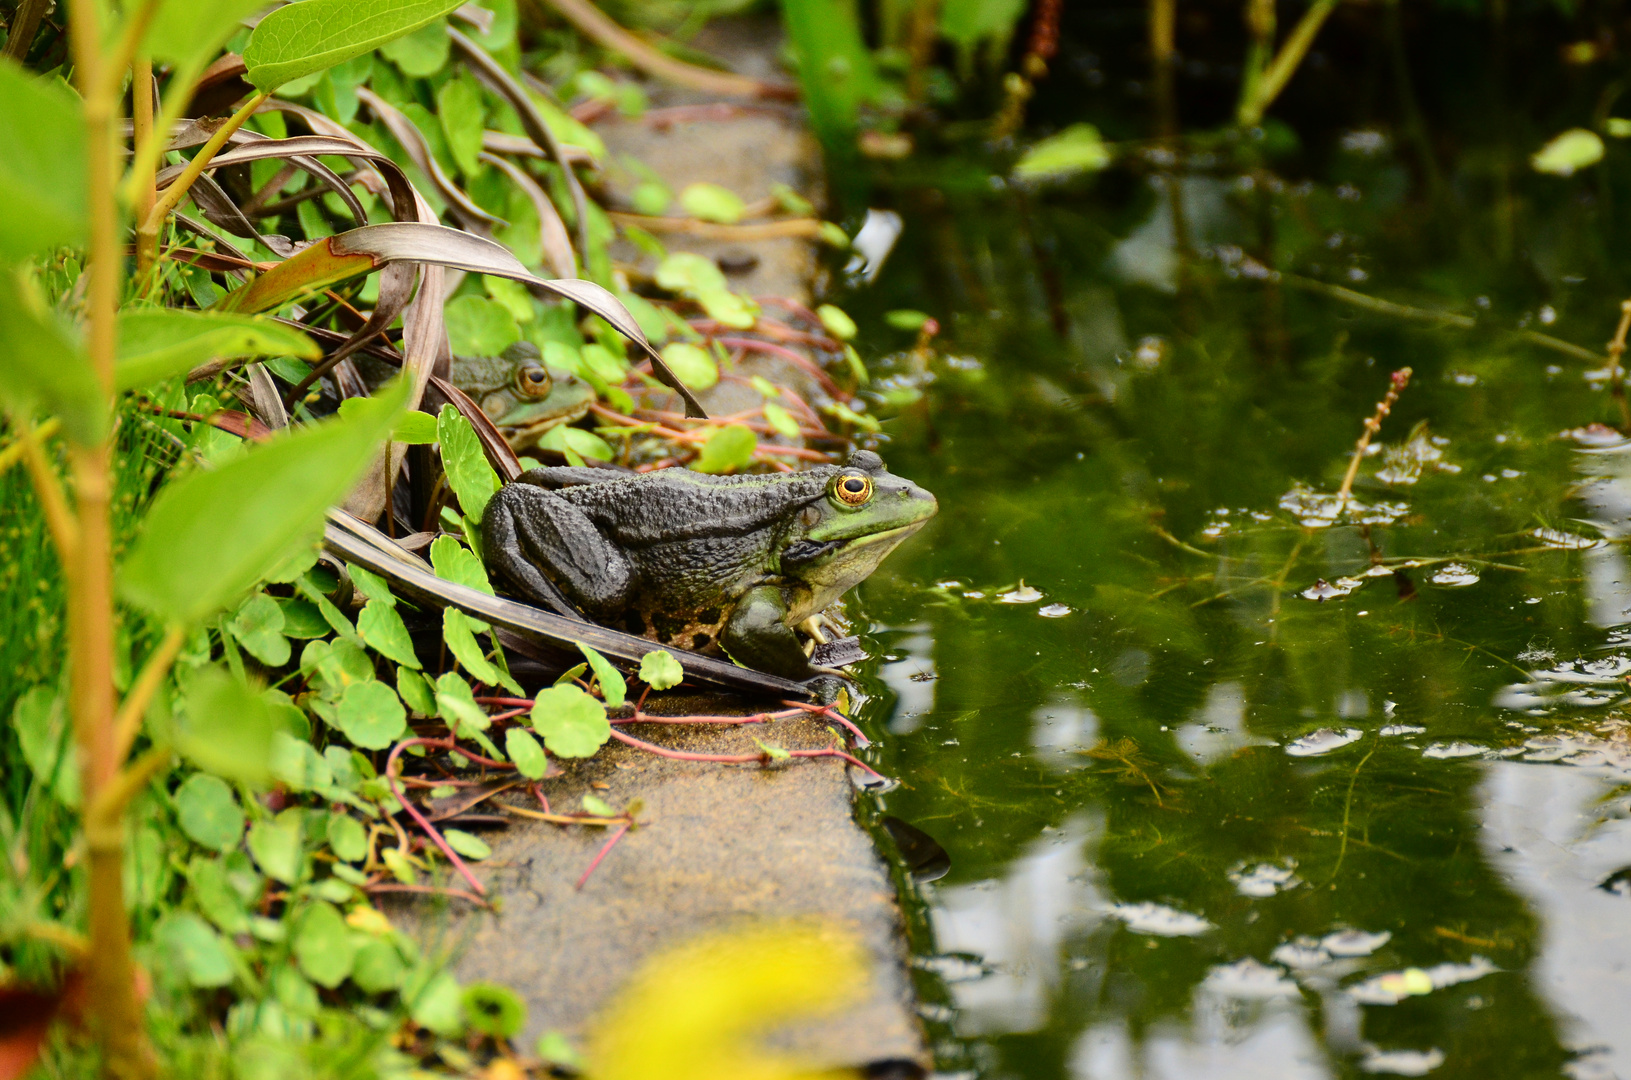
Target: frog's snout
925,504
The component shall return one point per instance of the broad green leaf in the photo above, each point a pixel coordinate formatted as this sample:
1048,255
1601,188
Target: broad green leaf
158,343
600,361
463,118
456,563
296,764
323,945
906,319
276,845
378,967
42,172
193,945
967,22
710,202
382,628
337,665
305,38
692,363
587,444
660,671
347,838
572,723
727,449
417,428
837,321
526,753
422,53
791,201
226,727
258,626
494,1010
469,845
413,688
211,535
612,686
473,480
41,722
781,420
1078,148
369,583
188,33
727,307
1568,153
301,619
477,326
211,889
772,751
438,1004
371,715
209,813
688,273
45,367
457,704
461,639
594,804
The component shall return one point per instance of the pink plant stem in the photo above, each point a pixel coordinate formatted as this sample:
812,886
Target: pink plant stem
424,823
737,759
601,854
538,793
435,890
837,717
789,305
796,359
647,718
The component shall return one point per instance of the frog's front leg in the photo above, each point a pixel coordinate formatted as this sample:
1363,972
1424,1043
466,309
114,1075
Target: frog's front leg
757,635
544,546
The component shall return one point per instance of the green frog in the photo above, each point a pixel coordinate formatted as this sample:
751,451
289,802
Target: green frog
520,395
710,563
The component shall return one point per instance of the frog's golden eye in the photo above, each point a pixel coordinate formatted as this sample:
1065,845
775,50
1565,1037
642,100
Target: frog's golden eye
533,381
854,490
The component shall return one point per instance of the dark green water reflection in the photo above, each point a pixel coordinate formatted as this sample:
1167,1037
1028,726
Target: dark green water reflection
1201,825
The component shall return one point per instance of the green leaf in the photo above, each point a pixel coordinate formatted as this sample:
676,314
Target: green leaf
347,838
464,118
772,751
158,343
42,172
296,764
371,716
583,443
838,324
526,753
457,704
612,686
1568,153
276,845
494,1010
791,202
323,945
45,367
258,626
188,33
594,804
422,53
41,722
572,723
209,813
301,619
456,563
710,202
688,273
192,944
456,631
906,319
305,38
727,449
369,583
381,627
438,1005
967,22
473,480
211,889
1075,150
781,420
469,845
660,671
378,968
477,326
694,366
398,865
725,306
416,428
227,728
554,1049
212,534
414,690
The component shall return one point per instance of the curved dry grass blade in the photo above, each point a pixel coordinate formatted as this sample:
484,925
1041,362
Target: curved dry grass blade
391,180
552,234
407,133
361,251
219,210
396,284
502,142
363,545
503,84
301,152
499,454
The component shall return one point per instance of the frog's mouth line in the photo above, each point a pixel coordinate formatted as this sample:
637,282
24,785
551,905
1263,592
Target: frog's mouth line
879,537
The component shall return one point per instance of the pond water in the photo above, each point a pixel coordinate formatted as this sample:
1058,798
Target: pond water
1233,784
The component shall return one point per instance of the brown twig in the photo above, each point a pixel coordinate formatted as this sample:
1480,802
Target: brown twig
1396,383
738,759
1616,369
797,228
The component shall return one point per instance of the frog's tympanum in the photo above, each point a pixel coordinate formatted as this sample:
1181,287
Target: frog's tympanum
703,562
519,394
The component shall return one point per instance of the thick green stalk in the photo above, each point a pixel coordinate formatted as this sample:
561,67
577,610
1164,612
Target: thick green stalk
116,1014
1285,63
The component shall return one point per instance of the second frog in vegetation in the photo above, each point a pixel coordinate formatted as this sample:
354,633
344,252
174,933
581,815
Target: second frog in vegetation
520,395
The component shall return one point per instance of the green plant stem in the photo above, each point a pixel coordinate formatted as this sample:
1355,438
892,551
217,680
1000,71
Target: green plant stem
147,234
48,489
1285,63
24,25
115,1013
19,446
110,802
141,114
1261,22
129,720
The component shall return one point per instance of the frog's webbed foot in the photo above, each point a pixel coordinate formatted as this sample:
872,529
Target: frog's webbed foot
757,635
527,531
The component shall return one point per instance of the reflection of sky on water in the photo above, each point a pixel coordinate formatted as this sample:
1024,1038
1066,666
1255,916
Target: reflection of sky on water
1541,829
1019,925
911,677
1275,1043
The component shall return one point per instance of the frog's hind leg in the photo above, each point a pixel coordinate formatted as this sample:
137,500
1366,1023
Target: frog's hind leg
757,635
536,539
